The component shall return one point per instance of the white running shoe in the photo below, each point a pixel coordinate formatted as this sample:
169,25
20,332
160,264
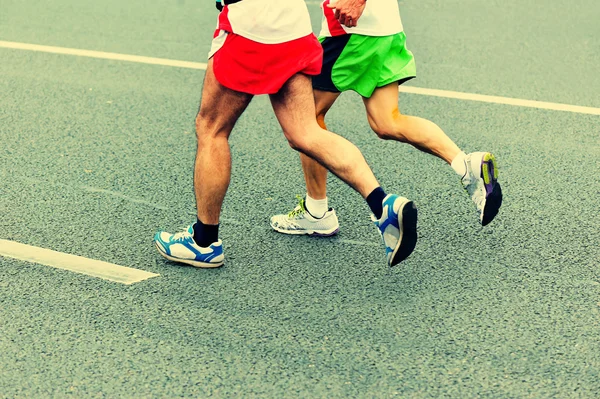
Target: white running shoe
300,221
480,181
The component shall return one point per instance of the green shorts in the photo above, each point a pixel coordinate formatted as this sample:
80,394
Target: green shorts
364,63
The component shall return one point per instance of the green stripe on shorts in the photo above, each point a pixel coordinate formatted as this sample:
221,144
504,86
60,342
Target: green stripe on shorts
368,62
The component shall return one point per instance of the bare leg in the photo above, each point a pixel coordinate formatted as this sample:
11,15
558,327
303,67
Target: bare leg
389,124
315,175
220,109
295,109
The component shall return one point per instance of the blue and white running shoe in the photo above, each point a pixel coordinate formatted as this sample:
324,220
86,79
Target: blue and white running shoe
181,247
398,228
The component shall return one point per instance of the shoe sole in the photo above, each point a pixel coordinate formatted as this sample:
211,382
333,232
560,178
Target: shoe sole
311,233
408,233
493,191
195,263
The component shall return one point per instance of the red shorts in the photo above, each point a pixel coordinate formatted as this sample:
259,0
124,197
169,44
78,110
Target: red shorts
255,68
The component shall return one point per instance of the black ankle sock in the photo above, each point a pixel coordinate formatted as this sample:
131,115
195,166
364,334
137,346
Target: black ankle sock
375,201
205,234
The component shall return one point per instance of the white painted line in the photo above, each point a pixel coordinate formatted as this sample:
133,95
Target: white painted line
74,263
112,194
360,243
102,55
500,100
123,196
405,89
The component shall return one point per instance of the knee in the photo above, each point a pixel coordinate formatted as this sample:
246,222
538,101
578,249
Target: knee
390,127
297,142
388,131
207,129
203,133
298,139
206,116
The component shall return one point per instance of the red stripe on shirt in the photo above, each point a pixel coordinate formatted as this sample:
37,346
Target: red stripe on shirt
335,28
224,23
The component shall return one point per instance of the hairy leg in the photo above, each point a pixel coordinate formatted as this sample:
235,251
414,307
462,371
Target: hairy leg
219,110
315,175
295,109
389,124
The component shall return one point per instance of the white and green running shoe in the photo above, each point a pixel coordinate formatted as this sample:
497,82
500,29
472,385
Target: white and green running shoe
481,182
300,221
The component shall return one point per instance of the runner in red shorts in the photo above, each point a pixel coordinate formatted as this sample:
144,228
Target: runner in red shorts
267,47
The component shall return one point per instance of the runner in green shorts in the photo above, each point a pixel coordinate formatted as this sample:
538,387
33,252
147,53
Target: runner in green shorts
369,56
364,63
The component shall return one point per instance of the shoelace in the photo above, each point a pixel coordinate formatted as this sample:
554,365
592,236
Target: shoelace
289,222
299,209
180,237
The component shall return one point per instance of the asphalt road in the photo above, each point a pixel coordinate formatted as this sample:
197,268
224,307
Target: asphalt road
97,155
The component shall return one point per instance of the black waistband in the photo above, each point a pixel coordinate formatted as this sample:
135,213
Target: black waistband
227,2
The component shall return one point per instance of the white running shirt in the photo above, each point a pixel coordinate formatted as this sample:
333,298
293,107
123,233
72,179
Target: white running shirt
268,21
380,18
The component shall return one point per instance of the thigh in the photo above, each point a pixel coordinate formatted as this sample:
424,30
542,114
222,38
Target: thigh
382,106
220,107
294,105
324,100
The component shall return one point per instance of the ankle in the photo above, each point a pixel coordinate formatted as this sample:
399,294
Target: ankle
316,207
375,201
458,164
205,234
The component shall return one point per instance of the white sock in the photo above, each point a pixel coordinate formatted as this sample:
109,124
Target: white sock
317,208
458,164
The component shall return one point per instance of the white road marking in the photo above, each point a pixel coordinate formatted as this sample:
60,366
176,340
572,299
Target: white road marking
360,243
74,263
103,55
405,89
500,100
123,196
110,193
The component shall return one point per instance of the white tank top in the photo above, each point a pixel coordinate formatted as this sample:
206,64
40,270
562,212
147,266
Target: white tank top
380,18
267,21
